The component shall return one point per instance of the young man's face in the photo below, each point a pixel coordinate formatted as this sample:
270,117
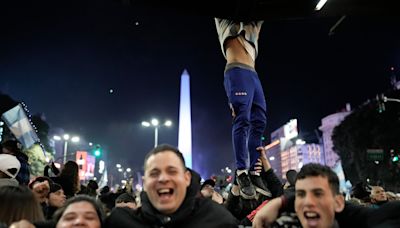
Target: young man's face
315,203
165,181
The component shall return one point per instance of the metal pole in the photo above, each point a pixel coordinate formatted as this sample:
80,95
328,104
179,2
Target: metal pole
65,150
155,136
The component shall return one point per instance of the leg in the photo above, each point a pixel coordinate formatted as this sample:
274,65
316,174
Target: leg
258,121
240,91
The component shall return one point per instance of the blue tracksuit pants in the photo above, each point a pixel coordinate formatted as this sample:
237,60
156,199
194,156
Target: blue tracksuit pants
247,101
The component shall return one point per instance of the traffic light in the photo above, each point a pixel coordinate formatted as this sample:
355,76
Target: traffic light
381,99
97,151
394,156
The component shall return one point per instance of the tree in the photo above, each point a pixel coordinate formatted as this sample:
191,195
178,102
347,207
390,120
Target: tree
367,128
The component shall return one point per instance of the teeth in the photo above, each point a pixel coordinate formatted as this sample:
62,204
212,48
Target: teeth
163,191
311,214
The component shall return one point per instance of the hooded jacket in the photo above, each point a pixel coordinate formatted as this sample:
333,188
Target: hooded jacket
194,212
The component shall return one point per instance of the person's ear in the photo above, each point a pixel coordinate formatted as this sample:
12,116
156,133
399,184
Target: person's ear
188,177
339,203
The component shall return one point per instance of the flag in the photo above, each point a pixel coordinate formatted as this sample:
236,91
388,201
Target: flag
20,125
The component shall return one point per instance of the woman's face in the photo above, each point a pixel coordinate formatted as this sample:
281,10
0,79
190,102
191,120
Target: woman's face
81,214
57,199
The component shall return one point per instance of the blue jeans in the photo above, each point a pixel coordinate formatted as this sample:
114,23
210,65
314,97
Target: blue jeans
247,101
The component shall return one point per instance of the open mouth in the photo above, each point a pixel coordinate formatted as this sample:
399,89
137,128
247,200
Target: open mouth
165,192
312,218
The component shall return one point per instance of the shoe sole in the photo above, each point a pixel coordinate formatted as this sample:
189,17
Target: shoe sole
247,196
262,191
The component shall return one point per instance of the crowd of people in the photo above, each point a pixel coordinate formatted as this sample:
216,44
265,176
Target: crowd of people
174,196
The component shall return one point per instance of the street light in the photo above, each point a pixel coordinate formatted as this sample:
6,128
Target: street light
155,123
66,138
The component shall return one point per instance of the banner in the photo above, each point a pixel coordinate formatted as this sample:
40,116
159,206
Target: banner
20,125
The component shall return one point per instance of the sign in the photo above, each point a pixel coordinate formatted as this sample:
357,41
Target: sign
375,154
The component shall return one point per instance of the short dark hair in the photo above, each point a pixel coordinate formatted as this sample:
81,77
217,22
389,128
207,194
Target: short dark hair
162,148
315,169
125,198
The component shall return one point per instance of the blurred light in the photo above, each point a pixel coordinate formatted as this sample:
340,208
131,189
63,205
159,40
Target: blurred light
320,4
120,170
300,165
128,170
272,158
168,123
66,136
56,137
145,124
75,139
111,91
57,165
300,142
1,123
154,122
47,159
392,68
90,144
123,181
118,165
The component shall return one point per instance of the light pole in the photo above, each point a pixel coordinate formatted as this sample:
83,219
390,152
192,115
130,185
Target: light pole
66,138
155,123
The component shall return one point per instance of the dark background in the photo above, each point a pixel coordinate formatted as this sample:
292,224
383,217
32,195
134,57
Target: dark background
62,58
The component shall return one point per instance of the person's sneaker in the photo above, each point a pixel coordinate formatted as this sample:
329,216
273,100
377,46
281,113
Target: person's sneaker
246,188
259,185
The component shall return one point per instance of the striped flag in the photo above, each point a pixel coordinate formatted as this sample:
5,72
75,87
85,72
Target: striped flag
19,124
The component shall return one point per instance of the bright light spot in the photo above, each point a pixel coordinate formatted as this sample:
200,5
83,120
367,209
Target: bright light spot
145,124
392,68
56,137
75,139
320,4
47,159
300,142
90,144
137,23
138,187
118,165
168,123
128,170
154,122
300,165
377,162
66,136
111,91
57,165
1,123
272,158
120,170
123,181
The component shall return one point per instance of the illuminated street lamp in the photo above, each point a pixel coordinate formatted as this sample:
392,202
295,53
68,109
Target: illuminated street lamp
155,123
66,139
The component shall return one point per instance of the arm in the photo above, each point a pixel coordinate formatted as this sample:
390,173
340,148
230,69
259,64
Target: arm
267,214
273,182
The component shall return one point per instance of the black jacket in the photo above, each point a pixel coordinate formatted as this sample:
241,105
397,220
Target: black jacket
194,212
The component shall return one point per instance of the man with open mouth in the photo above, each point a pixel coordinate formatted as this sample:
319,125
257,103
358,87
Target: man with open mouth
171,197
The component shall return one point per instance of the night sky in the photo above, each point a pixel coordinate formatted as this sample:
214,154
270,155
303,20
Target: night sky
62,59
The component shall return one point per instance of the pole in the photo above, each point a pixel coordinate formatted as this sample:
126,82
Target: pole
65,150
155,136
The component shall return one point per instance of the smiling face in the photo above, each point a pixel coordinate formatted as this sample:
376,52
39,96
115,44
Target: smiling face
315,203
165,181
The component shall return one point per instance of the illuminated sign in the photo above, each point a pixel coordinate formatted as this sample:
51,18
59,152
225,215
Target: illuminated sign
290,129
